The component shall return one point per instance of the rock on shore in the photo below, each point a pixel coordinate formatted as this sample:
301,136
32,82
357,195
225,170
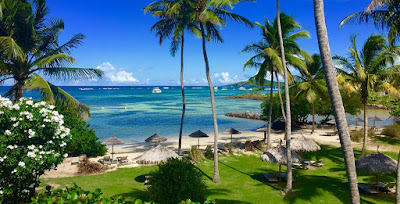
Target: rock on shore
247,115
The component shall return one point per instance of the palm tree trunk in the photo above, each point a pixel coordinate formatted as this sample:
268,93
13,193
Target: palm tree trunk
270,110
216,178
280,96
183,100
287,103
398,181
313,118
365,126
336,99
19,90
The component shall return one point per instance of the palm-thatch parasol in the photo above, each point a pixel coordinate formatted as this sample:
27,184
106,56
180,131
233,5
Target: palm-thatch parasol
112,141
333,123
278,155
375,118
376,163
231,131
198,134
264,129
303,144
357,120
395,119
156,139
156,155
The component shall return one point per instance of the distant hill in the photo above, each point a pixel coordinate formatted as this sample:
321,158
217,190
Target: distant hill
247,83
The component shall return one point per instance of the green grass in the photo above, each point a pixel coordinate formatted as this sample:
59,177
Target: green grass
242,181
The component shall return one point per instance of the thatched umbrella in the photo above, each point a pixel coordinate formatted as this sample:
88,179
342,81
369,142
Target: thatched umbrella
375,118
278,155
357,119
376,163
303,144
198,134
333,123
156,155
156,139
264,129
112,141
231,131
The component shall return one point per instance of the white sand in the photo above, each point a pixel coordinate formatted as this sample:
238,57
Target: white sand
136,149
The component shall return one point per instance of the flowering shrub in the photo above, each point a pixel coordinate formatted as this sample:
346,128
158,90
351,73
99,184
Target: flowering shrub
32,140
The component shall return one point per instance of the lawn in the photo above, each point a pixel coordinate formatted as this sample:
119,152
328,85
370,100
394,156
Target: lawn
242,181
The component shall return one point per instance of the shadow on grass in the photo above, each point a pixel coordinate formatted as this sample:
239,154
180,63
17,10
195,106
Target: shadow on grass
387,140
135,194
227,201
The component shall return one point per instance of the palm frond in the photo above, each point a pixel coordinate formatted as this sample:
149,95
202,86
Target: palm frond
10,49
67,73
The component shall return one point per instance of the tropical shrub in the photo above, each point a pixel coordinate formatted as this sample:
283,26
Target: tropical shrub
177,180
74,194
196,154
392,130
87,167
358,135
33,139
84,139
209,152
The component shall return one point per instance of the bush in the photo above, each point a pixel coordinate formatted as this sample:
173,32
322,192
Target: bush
248,146
84,139
195,154
74,194
392,130
177,180
33,139
87,167
208,152
358,135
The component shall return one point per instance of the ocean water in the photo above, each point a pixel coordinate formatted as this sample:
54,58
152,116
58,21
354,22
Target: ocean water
135,113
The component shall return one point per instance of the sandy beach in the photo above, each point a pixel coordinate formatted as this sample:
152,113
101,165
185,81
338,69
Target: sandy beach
134,150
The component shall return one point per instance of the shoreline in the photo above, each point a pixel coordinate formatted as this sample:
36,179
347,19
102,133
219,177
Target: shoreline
134,150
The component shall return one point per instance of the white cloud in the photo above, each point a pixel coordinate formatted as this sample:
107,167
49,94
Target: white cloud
226,78
118,76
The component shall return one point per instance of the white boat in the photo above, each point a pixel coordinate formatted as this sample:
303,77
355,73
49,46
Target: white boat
86,89
165,87
224,89
216,88
156,90
242,88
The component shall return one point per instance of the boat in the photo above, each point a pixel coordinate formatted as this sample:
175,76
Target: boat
224,89
86,89
165,87
156,90
242,88
216,88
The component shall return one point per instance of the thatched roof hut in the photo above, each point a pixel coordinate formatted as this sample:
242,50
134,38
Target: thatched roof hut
156,139
278,155
376,163
156,155
303,144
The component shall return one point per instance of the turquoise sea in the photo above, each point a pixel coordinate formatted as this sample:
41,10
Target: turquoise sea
135,113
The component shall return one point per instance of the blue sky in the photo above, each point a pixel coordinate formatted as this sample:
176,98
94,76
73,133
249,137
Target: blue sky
120,42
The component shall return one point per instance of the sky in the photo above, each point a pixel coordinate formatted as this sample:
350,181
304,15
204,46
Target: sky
120,43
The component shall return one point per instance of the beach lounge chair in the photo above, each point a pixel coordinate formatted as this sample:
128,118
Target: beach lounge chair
297,165
123,159
106,160
147,179
390,188
271,177
75,160
364,188
318,163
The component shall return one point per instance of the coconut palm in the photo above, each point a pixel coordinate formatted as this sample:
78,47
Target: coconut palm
267,56
385,14
368,69
174,19
336,100
209,14
312,83
29,44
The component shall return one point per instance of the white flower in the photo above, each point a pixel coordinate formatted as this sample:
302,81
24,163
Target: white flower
10,147
31,147
29,102
51,107
14,171
25,191
31,154
65,155
40,146
1,192
43,126
21,164
7,132
13,119
32,185
16,124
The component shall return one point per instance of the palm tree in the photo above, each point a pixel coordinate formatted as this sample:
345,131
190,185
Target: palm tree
385,14
174,20
336,100
29,44
209,14
268,58
368,69
313,83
